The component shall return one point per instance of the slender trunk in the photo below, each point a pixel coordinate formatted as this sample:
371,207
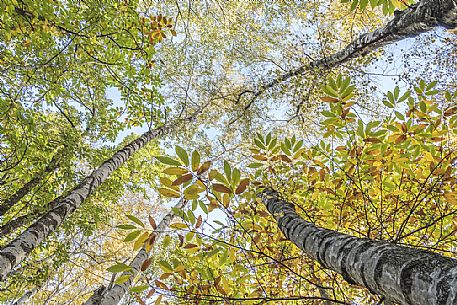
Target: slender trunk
113,295
401,274
23,220
26,188
418,18
18,249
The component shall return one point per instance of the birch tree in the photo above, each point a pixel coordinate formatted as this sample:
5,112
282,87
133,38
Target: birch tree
113,294
17,250
387,186
418,18
403,275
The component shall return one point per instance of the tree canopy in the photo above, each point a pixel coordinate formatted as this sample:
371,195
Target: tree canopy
289,152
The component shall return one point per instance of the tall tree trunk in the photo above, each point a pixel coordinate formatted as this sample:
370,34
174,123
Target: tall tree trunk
23,220
18,249
14,224
26,188
401,274
113,295
418,18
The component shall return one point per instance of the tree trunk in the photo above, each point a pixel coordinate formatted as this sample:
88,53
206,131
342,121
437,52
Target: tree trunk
23,220
418,18
26,188
113,295
14,224
401,274
18,249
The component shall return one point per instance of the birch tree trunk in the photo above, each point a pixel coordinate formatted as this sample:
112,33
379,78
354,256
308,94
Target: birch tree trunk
401,274
26,188
18,249
418,18
113,295
13,225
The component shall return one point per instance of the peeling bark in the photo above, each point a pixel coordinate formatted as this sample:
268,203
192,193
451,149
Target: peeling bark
401,274
18,249
113,295
26,188
418,18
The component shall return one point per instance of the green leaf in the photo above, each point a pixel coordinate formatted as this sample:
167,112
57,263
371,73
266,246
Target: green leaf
203,206
122,279
138,289
399,115
135,220
168,160
119,267
255,165
259,144
126,227
165,266
227,171
182,154
195,160
360,129
175,170
132,235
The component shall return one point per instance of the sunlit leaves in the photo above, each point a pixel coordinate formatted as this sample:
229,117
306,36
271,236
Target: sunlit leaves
182,154
175,170
122,279
168,192
157,27
119,267
168,160
195,160
132,235
135,220
388,6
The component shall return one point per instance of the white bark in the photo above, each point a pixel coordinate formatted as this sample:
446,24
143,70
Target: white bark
18,249
419,18
113,295
401,274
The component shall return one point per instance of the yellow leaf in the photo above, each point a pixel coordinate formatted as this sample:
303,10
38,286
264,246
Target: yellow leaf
451,197
159,299
175,170
169,192
140,241
178,225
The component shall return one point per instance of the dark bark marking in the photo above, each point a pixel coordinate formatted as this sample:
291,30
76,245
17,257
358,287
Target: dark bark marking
293,224
360,250
343,253
406,280
323,245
